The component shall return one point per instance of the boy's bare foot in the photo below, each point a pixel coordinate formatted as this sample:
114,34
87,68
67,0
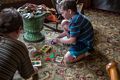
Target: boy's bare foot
80,57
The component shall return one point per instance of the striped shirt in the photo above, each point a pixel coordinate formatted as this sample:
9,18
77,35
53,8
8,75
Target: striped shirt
14,56
81,28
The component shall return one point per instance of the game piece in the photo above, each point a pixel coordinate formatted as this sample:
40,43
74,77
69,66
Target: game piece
32,51
35,54
36,62
48,59
46,48
59,59
52,55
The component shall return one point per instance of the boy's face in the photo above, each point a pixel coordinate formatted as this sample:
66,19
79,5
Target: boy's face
65,13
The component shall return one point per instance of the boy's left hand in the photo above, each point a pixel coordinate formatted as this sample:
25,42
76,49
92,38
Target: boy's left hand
57,40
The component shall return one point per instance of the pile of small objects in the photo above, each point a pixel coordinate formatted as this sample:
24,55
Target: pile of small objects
31,10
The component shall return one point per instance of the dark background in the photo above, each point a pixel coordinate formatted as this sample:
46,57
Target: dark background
109,5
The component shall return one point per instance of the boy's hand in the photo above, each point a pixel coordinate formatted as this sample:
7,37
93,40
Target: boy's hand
58,40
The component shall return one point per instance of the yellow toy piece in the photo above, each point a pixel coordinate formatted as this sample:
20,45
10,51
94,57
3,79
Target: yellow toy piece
46,48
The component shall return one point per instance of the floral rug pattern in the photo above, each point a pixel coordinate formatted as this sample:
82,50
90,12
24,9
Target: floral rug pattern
93,67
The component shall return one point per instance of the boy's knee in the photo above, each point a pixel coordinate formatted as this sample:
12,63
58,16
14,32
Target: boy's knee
66,61
65,58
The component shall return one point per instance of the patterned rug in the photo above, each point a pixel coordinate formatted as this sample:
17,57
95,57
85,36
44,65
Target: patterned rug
93,67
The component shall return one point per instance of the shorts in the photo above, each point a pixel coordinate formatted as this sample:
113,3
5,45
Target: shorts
77,53
71,57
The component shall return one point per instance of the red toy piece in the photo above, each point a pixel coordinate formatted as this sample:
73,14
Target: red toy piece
48,59
53,50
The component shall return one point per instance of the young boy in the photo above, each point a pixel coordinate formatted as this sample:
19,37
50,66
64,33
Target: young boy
13,53
80,32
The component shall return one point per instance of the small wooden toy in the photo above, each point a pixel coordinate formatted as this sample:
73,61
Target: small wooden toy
46,48
59,59
36,62
48,59
35,54
52,55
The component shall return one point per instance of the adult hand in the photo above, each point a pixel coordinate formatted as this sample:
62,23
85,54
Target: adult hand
35,69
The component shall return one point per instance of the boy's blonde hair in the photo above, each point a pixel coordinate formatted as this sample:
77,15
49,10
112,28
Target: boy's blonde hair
65,22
